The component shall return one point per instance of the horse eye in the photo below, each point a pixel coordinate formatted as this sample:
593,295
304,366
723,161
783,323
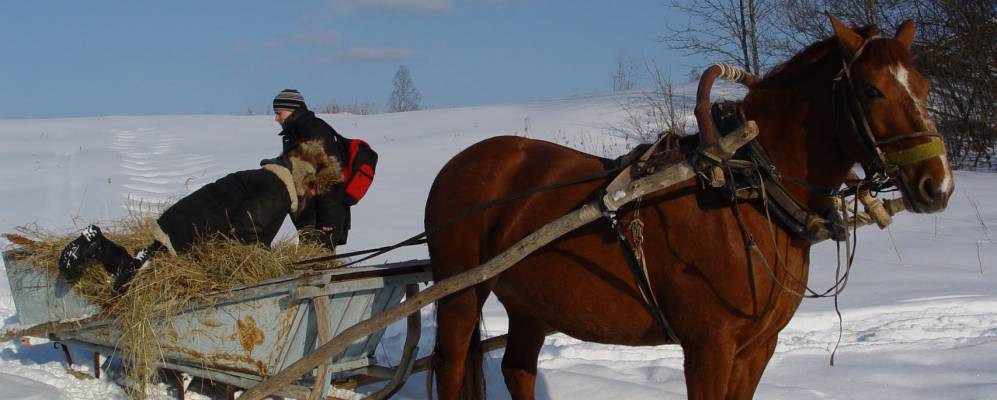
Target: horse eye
872,93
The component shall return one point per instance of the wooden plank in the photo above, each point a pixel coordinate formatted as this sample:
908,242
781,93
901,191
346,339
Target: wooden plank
320,386
389,273
295,337
357,310
42,330
375,282
673,174
289,282
384,299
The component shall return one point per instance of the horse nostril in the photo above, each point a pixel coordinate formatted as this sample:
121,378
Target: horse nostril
929,190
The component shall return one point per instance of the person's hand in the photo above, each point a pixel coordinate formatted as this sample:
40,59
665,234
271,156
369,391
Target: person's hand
321,236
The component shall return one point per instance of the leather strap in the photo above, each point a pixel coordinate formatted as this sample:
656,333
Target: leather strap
915,154
641,278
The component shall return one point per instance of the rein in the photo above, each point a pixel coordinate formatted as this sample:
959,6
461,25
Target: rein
421,237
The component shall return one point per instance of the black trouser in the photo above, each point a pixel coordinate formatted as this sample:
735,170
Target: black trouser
116,259
325,216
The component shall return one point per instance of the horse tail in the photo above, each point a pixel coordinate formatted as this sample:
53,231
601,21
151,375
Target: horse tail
473,387
429,374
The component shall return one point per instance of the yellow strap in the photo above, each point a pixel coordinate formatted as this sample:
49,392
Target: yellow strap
915,154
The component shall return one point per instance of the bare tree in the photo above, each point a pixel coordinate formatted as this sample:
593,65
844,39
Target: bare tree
730,31
655,111
404,96
626,74
957,50
805,21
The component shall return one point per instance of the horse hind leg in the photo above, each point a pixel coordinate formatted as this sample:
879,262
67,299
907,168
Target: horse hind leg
519,364
458,357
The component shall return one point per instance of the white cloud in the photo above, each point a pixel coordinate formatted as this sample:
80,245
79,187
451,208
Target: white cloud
313,38
424,6
373,54
317,38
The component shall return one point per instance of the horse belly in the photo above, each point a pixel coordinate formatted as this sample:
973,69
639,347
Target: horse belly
574,294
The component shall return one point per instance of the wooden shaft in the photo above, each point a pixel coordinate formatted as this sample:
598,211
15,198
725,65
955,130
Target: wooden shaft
673,174
422,364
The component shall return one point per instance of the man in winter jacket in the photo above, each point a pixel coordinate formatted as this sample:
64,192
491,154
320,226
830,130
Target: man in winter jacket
248,206
327,218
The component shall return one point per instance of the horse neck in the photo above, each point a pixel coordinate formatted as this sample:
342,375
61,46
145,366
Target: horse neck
797,128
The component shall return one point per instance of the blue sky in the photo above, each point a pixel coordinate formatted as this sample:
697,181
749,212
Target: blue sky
84,58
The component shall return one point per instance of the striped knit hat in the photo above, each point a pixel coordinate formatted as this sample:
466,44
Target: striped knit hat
289,99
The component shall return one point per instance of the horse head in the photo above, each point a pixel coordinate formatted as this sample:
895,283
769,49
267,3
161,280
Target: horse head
883,100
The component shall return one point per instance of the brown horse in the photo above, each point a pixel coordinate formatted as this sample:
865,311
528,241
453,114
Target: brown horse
724,306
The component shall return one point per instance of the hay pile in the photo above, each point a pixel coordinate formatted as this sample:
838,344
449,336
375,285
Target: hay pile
172,284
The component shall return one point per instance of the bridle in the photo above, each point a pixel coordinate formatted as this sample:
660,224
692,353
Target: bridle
882,164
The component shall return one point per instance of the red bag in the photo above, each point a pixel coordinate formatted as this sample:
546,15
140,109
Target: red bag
358,171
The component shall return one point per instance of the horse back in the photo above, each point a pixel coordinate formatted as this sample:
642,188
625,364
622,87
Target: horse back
499,168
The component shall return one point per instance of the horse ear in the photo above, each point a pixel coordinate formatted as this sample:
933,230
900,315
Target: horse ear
905,34
849,41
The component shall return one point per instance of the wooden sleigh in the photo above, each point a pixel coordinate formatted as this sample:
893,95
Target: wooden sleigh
243,335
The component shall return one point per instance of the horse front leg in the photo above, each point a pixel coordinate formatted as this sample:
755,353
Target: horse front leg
708,369
748,367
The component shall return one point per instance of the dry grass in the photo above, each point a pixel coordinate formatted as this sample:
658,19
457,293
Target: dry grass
171,285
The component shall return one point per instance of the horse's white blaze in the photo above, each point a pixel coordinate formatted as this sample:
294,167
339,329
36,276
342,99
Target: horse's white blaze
902,76
946,186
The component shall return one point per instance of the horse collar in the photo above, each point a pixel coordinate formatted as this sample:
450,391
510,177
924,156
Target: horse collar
751,176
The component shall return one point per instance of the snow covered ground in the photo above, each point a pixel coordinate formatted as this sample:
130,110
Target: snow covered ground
920,313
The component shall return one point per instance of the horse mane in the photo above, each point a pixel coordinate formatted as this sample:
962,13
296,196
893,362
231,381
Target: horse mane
800,65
